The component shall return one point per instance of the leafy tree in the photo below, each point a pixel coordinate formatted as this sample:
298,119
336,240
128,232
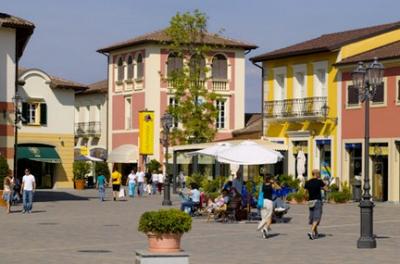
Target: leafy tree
101,168
187,75
154,165
4,170
80,169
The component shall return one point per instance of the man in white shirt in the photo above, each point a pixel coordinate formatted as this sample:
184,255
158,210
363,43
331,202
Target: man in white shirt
27,189
140,178
160,181
154,182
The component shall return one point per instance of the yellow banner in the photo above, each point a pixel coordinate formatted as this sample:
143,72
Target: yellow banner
146,132
84,151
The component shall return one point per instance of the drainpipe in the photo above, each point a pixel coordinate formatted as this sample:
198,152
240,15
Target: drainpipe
262,96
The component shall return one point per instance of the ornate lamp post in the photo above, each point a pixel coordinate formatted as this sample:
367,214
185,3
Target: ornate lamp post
17,99
166,122
366,79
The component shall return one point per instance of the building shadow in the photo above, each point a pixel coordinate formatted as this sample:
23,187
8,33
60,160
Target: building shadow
51,196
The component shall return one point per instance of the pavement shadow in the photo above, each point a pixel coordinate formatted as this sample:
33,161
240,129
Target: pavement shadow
47,196
283,220
382,237
321,235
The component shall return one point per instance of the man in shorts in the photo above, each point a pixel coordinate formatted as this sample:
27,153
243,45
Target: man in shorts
314,186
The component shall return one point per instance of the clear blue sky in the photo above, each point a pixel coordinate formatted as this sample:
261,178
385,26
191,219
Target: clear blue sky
68,32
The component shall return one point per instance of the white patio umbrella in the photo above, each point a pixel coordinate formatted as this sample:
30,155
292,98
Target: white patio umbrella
249,153
301,166
124,154
213,150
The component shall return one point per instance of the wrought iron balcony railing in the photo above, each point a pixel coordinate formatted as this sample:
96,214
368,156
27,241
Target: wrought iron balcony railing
299,108
94,128
87,128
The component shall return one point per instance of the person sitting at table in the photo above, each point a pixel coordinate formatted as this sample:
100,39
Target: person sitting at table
192,199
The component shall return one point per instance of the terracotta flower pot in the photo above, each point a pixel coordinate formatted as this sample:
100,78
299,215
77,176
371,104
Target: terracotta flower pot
164,242
2,202
79,184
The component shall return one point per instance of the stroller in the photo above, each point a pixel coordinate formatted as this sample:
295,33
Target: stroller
280,206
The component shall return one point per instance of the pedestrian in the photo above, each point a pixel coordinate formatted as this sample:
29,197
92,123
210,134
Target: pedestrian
16,190
7,191
140,179
149,182
28,188
154,182
267,209
160,181
101,186
314,186
116,182
132,179
182,180
193,198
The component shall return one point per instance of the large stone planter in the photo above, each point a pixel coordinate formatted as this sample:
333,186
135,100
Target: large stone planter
164,242
79,184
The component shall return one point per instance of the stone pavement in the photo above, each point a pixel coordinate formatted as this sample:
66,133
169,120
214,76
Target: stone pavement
74,227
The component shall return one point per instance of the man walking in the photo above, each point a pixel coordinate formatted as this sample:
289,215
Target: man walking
140,178
101,186
27,189
314,187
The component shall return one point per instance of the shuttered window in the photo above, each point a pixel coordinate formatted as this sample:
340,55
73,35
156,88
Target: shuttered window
379,96
219,67
352,95
130,68
174,64
398,91
120,70
139,67
34,113
197,67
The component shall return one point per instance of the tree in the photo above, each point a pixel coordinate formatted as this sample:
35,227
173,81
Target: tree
4,170
194,107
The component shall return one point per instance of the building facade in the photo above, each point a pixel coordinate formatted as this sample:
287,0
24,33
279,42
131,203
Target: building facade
303,95
137,70
46,134
14,36
91,120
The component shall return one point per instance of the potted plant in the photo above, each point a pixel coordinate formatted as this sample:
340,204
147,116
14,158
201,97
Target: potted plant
80,170
164,229
4,170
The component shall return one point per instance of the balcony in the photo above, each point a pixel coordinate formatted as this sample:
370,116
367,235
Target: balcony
219,85
87,129
310,108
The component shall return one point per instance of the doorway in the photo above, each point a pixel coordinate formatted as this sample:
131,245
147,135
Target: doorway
380,178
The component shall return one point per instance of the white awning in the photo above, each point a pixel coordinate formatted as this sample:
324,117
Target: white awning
127,153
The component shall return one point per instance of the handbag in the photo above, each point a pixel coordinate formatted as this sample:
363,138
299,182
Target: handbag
121,193
260,200
311,204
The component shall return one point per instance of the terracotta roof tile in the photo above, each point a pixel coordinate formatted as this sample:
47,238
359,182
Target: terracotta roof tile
97,87
7,20
327,42
160,36
385,52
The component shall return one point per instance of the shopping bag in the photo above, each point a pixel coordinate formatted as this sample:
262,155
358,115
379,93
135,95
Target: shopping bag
121,193
260,200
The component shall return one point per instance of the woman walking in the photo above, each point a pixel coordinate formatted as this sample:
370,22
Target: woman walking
132,183
116,182
7,187
266,211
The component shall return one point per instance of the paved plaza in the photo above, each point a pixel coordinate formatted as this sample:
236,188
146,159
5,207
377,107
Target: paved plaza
75,227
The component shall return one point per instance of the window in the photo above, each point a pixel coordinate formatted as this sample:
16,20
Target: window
172,103
299,81
128,113
398,91
220,122
139,67
353,96
34,113
197,67
120,70
174,64
320,81
379,97
98,113
130,68
219,67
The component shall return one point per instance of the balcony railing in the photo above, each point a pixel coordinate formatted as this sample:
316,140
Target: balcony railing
88,128
299,108
219,85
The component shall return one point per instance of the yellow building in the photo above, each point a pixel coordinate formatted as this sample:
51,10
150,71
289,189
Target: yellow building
46,134
302,95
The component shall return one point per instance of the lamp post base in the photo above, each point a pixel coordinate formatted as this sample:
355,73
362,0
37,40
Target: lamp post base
367,238
166,203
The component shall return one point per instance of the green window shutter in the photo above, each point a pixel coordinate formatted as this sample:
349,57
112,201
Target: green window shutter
25,113
43,114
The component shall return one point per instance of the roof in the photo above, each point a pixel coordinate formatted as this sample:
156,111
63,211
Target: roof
327,42
252,126
97,87
24,29
57,82
389,51
161,37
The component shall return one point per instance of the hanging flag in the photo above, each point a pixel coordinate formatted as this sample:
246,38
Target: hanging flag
146,132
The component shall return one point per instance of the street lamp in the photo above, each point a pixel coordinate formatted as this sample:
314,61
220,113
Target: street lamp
366,79
17,100
166,122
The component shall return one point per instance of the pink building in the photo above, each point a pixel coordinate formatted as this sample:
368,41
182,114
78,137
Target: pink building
136,69
384,148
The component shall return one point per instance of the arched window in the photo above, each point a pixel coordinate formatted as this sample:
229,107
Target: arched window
120,69
197,67
139,67
174,63
130,68
219,67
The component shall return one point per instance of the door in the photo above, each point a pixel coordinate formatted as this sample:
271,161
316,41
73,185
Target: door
380,178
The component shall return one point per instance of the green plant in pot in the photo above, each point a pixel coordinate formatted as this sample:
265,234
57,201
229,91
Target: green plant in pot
164,229
80,170
4,170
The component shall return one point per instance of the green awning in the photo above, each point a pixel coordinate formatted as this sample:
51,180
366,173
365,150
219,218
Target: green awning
38,153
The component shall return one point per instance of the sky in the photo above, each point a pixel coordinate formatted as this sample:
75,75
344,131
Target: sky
68,32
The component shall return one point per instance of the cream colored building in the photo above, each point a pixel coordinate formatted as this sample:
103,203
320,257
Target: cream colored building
46,135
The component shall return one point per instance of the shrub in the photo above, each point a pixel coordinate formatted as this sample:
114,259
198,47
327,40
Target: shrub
333,188
300,195
4,170
154,165
80,169
165,221
339,197
196,178
289,181
212,186
101,168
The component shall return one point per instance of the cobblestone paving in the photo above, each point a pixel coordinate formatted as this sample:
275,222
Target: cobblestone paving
74,227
